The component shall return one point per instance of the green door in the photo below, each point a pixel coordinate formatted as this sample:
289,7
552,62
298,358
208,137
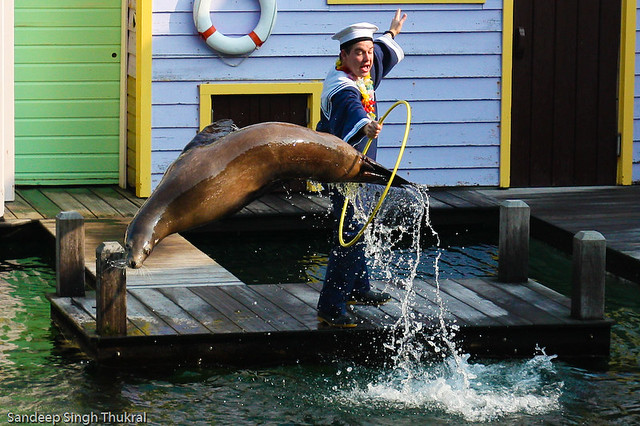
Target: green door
67,91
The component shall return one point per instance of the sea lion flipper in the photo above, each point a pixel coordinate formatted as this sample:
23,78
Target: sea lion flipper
212,133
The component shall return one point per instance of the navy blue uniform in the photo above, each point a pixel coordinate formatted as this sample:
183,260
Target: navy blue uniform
344,116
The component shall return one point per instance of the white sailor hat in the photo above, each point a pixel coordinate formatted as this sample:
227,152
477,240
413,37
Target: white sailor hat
355,33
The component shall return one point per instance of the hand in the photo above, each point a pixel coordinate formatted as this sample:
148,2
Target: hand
397,22
372,129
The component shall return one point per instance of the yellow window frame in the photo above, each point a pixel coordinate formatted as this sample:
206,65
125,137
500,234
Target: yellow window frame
312,89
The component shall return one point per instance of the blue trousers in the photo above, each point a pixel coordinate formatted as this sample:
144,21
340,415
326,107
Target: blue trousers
347,268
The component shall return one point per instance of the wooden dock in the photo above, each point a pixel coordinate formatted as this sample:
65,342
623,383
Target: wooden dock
557,214
184,307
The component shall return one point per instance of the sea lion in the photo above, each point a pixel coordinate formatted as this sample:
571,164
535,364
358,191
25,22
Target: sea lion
222,170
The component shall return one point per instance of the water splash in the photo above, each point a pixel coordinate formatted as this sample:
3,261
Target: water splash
486,392
448,383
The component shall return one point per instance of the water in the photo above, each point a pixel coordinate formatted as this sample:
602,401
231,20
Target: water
40,371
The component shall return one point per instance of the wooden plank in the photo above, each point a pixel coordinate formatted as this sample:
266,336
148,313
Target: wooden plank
302,312
42,204
521,96
8,215
476,198
66,201
451,198
550,306
96,205
120,203
322,201
172,314
435,203
304,292
259,207
146,320
549,293
280,204
587,93
309,293
208,315
542,33
518,308
21,209
129,196
393,309
167,277
483,305
238,313
564,140
272,314
464,313
76,314
88,303
306,204
425,305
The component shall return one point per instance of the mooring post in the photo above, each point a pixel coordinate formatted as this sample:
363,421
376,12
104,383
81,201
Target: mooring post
513,246
69,254
587,292
111,290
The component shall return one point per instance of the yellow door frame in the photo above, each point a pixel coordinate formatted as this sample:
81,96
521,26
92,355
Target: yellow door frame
625,92
143,57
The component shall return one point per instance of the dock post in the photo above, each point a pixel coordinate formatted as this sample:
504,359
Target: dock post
513,247
111,290
587,292
69,254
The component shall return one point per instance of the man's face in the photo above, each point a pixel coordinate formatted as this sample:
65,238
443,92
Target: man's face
359,59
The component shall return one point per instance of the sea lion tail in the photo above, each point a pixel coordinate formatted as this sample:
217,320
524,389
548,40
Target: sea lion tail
374,172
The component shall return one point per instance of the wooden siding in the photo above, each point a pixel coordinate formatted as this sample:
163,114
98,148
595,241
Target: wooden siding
636,107
451,77
67,91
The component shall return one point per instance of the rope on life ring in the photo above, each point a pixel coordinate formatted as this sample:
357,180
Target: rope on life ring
234,45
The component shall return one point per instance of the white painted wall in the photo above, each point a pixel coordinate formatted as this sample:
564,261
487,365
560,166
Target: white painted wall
6,105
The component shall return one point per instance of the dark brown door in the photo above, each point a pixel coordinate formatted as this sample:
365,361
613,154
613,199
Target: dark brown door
251,109
565,84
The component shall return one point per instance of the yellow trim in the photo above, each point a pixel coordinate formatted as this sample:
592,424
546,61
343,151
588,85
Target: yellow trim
403,1
143,97
507,93
626,91
313,89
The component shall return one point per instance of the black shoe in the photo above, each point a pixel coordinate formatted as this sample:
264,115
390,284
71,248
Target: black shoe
339,321
370,298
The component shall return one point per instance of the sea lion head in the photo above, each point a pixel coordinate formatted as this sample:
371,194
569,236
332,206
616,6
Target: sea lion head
139,241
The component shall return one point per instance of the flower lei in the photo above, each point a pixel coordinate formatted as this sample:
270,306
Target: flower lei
365,86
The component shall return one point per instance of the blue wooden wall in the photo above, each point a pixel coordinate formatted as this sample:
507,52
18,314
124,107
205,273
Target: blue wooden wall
451,77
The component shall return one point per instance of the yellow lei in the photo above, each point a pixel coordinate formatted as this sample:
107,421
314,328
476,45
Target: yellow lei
365,86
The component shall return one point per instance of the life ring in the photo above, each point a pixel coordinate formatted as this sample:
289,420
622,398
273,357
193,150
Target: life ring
234,45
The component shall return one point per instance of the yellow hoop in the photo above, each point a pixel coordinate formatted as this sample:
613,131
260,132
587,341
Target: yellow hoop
386,190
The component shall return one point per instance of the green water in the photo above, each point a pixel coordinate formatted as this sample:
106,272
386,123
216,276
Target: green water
42,373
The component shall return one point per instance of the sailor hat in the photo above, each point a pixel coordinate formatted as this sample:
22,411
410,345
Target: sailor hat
355,33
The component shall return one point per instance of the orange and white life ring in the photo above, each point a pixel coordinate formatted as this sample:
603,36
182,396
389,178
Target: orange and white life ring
234,45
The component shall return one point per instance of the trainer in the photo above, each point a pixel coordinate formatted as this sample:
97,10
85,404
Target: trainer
349,111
